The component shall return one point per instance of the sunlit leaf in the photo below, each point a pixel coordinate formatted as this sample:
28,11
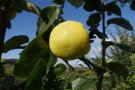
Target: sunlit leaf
121,22
31,7
118,68
76,3
15,42
47,17
83,84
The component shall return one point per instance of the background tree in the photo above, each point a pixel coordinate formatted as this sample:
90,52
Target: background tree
124,56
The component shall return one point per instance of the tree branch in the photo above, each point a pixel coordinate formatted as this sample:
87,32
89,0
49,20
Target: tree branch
100,77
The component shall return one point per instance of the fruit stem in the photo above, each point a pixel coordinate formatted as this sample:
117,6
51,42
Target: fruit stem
70,66
101,76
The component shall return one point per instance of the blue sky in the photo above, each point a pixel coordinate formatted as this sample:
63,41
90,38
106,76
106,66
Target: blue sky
25,23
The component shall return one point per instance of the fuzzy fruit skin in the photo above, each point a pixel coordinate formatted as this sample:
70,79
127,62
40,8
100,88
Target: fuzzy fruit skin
69,40
12,14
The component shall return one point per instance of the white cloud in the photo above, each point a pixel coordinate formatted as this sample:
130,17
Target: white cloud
74,63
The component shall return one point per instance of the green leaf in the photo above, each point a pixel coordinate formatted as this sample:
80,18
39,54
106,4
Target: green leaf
36,75
121,22
31,7
113,8
124,47
76,3
51,76
47,18
52,61
17,1
59,69
118,68
36,49
132,5
58,1
88,63
46,35
94,19
10,81
2,71
15,43
124,1
99,34
91,5
18,5
83,84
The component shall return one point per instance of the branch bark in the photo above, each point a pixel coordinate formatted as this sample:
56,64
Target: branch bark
4,23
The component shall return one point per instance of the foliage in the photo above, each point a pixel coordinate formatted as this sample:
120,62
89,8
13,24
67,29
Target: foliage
15,43
125,57
37,66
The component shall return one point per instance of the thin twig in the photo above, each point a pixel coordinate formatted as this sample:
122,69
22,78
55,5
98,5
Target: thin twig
100,77
70,66
87,62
